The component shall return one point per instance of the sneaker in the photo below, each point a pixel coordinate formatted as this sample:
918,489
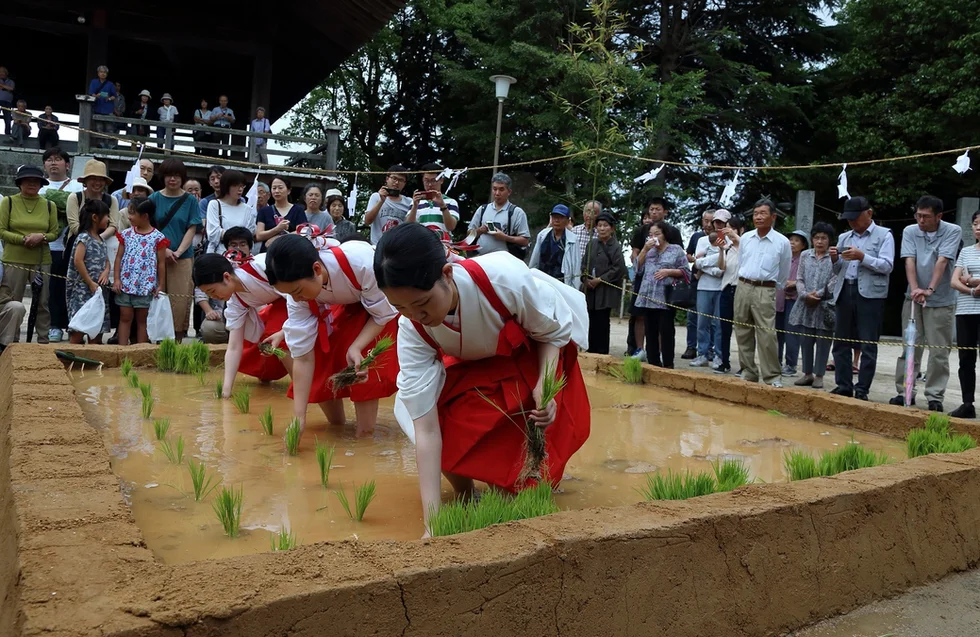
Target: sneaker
966,410
935,405
788,371
837,391
717,363
723,369
700,361
861,396
55,335
778,384
689,353
805,381
817,382
640,355
900,401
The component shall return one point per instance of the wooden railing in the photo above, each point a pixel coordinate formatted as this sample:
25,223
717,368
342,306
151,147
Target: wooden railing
232,143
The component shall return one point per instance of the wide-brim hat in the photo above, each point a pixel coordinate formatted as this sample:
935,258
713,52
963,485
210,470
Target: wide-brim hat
30,172
801,235
333,192
95,168
139,182
166,96
145,92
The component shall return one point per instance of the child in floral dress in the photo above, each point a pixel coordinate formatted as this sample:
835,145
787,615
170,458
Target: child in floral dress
140,263
89,266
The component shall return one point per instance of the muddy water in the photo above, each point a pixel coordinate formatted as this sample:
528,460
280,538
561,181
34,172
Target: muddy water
635,430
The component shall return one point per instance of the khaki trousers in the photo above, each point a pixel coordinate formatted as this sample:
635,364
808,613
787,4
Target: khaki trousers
213,332
756,305
16,278
180,291
934,326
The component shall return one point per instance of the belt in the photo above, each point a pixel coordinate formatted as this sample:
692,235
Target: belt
758,284
851,281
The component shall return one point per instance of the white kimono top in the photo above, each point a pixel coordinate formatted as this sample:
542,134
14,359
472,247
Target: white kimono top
300,328
549,311
242,310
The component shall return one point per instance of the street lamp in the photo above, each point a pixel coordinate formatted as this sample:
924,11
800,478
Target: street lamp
502,82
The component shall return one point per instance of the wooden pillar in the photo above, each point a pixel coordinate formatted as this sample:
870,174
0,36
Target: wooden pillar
261,80
85,103
98,44
333,146
805,200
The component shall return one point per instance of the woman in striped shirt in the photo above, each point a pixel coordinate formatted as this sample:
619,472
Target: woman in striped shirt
966,280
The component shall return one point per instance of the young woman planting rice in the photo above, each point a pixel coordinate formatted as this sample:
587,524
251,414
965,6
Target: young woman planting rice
255,311
476,343
337,315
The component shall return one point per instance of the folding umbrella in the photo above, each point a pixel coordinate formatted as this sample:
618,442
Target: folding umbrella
910,333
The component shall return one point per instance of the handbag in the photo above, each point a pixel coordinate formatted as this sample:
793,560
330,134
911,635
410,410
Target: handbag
681,294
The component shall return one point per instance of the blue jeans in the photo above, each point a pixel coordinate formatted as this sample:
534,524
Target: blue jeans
692,330
788,342
709,328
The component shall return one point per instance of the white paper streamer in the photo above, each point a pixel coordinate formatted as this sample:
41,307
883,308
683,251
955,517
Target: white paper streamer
728,195
134,172
842,184
252,196
962,163
650,176
456,175
352,199
446,173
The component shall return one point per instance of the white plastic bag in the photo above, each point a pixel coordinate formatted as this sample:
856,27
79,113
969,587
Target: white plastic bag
160,320
90,317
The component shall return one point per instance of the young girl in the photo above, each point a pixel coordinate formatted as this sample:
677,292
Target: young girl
91,259
483,329
324,339
254,312
140,263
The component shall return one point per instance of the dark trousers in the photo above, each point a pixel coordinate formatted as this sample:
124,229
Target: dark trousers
968,336
857,318
788,342
6,115
47,138
636,314
57,296
660,336
727,312
599,331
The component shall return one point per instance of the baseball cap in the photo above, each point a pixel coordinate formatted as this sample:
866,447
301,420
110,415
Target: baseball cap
561,209
854,207
722,215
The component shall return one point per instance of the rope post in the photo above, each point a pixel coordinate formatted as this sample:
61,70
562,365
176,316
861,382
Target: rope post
85,103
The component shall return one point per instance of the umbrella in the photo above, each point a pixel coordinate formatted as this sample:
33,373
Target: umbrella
37,284
910,356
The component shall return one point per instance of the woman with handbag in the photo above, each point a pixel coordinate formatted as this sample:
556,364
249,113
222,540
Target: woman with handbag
604,263
661,266
813,314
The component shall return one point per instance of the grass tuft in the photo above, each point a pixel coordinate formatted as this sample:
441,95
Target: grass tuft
362,498
242,398
200,357
227,506
631,372
147,406
203,483
134,380
219,388
292,437
126,367
266,420
166,358
802,466
283,541
174,452
938,423
348,376
492,508
678,486
730,474
536,453
936,437
146,389
160,428
324,458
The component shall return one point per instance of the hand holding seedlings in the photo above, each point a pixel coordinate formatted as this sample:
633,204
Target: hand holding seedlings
267,349
543,415
272,343
354,360
358,367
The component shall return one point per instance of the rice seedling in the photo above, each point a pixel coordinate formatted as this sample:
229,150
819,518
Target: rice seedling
134,380
166,358
219,387
160,428
293,432
202,377
242,398
203,482
534,502
450,519
362,498
324,458
936,437
147,406
730,474
174,452
183,361
938,423
269,350
227,506
960,442
630,373
678,486
126,367
266,420
146,389
536,453
200,356
922,442
348,376
800,465
492,508
775,412
283,541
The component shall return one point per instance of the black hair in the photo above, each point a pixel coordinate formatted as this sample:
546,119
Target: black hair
145,206
737,223
664,228
408,256
823,227
211,268
659,201
55,151
765,202
975,215
216,170
431,167
310,186
290,258
333,198
284,180
238,233
230,178
173,166
928,202
398,169
354,237
91,207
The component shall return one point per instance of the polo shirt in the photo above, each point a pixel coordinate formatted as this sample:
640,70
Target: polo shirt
926,248
428,214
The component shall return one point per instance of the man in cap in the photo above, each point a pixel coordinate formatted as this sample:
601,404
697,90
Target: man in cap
863,259
556,250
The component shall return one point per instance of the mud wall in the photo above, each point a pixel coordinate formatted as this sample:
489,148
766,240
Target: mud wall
10,615
761,560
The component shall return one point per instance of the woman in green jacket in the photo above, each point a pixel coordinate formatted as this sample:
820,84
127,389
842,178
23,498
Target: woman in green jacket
28,222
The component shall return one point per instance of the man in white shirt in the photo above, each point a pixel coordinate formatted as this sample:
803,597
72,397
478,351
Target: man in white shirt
388,207
763,266
501,225
430,207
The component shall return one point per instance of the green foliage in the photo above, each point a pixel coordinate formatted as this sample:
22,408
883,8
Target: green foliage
362,498
678,486
242,398
730,474
936,437
324,459
167,355
292,436
203,482
134,380
193,358
160,428
174,452
227,506
938,424
219,387
200,356
266,420
536,453
284,540
631,371
126,367
491,508
147,406
146,390
802,466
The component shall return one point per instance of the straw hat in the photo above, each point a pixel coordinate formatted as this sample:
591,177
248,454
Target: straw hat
139,182
95,168
166,96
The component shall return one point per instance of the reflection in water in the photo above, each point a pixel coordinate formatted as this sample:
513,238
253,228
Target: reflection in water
635,430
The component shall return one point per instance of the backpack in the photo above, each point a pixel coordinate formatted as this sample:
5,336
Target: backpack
517,250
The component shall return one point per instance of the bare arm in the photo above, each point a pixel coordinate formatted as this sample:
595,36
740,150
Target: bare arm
372,212
188,239
428,460
302,382
958,285
79,261
233,358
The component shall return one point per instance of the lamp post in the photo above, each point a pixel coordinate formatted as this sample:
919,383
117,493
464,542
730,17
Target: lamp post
502,82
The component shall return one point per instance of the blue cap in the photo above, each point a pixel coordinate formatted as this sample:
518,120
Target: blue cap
561,209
